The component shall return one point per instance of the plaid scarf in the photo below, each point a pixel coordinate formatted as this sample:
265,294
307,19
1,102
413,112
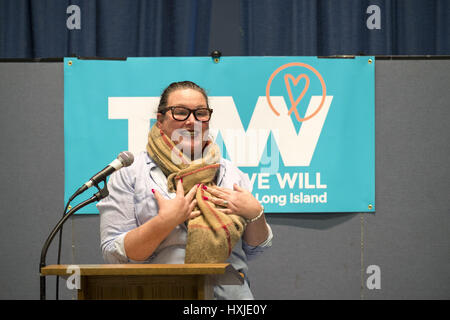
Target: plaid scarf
213,234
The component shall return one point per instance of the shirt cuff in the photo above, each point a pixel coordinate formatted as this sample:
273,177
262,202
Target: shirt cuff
253,251
119,246
268,241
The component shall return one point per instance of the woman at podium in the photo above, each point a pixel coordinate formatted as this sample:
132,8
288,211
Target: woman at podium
180,201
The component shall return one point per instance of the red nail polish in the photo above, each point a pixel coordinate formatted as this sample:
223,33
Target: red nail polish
153,190
205,198
181,179
204,187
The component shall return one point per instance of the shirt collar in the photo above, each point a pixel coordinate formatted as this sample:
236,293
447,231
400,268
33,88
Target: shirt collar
222,171
149,160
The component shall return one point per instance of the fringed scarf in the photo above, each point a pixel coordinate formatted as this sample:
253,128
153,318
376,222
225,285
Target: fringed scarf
213,234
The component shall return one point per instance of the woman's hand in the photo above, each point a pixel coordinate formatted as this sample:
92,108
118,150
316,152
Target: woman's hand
179,209
241,202
237,201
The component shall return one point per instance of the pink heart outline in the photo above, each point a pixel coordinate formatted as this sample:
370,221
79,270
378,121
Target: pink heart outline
295,81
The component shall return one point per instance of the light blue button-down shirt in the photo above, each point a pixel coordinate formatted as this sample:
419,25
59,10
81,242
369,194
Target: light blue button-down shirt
131,203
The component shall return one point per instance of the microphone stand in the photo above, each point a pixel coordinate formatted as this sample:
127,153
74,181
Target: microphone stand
58,259
102,193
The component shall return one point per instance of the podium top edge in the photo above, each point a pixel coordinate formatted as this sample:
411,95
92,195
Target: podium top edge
138,269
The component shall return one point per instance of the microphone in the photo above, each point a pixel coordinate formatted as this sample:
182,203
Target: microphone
124,159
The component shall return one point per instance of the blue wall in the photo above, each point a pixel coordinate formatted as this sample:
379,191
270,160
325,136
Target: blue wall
122,28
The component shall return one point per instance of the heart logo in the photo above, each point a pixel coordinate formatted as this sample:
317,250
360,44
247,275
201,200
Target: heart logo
295,81
288,78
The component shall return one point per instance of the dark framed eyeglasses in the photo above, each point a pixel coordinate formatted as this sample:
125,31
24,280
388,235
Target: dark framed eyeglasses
183,113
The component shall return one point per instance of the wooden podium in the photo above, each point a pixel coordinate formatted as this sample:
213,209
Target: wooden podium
149,281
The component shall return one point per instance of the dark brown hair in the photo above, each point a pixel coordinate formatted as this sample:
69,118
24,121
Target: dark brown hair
177,86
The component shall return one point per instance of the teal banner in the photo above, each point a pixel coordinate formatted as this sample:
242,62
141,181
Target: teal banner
301,128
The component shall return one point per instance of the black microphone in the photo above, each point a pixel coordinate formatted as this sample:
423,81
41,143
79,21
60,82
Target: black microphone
124,159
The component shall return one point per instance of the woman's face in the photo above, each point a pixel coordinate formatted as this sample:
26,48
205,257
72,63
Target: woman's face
188,134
